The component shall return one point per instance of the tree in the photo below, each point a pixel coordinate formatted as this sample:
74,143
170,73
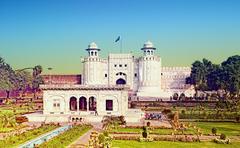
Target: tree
207,76
36,77
24,80
231,74
7,77
199,72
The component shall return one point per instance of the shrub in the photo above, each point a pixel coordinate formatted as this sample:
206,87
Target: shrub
148,124
237,118
214,131
145,133
183,111
166,111
223,136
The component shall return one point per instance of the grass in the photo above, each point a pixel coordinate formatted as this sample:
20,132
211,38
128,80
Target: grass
10,111
228,128
14,141
67,137
169,144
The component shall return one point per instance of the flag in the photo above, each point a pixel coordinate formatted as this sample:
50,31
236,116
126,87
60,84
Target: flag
118,39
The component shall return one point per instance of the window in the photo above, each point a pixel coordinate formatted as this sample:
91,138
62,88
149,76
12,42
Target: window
115,65
109,105
58,104
120,65
54,105
135,74
105,75
125,65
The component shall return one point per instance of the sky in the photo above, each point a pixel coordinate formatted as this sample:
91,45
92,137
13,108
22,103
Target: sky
55,33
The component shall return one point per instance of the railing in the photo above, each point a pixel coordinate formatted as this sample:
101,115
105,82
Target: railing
84,87
43,138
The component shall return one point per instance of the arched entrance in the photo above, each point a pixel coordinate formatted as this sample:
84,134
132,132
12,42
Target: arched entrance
120,81
83,103
73,104
92,104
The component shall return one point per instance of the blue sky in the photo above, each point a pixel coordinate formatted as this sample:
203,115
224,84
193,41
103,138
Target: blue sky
54,33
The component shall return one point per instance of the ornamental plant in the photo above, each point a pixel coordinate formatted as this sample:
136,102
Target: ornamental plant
214,131
223,136
145,132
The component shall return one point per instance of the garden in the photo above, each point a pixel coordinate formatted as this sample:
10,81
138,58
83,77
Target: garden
67,137
169,144
20,138
182,134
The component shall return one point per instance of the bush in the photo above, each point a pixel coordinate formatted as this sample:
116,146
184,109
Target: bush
214,131
238,119
166,111
145,132
223,136
148,124
183,111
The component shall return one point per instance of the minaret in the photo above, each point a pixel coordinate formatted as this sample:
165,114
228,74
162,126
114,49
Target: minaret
92,67
149,72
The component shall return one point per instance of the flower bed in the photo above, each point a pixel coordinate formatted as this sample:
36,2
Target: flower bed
183,138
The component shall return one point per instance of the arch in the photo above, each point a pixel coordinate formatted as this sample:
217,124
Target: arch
73,104
83,103
120,81
92,103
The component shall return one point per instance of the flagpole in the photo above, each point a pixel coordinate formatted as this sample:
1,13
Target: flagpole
120,45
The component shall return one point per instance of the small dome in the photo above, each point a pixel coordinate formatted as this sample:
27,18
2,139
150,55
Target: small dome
93,45
148,44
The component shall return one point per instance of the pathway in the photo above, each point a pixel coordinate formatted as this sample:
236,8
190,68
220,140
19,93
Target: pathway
82,141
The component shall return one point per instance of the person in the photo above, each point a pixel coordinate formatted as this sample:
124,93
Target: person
96,113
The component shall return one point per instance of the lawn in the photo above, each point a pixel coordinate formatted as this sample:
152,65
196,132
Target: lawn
139,130
168,144
9,112
228,128
66,138
16,140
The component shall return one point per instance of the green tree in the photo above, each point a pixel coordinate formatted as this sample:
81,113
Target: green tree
231,74
7,77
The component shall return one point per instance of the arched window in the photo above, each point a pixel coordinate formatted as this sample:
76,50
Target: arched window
83,103
73,104
92,104
120,81
148,52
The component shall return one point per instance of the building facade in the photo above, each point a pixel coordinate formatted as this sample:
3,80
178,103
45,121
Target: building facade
143,75
105,86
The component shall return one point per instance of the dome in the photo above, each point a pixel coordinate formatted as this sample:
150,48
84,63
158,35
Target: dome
93,45
148,44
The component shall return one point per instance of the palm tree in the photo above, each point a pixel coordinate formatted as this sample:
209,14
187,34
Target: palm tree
37,79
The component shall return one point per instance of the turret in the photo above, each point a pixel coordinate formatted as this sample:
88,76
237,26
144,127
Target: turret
149,71
93,50
148,49
92,66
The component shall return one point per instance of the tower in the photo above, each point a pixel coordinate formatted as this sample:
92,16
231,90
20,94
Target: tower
149,72
92,67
